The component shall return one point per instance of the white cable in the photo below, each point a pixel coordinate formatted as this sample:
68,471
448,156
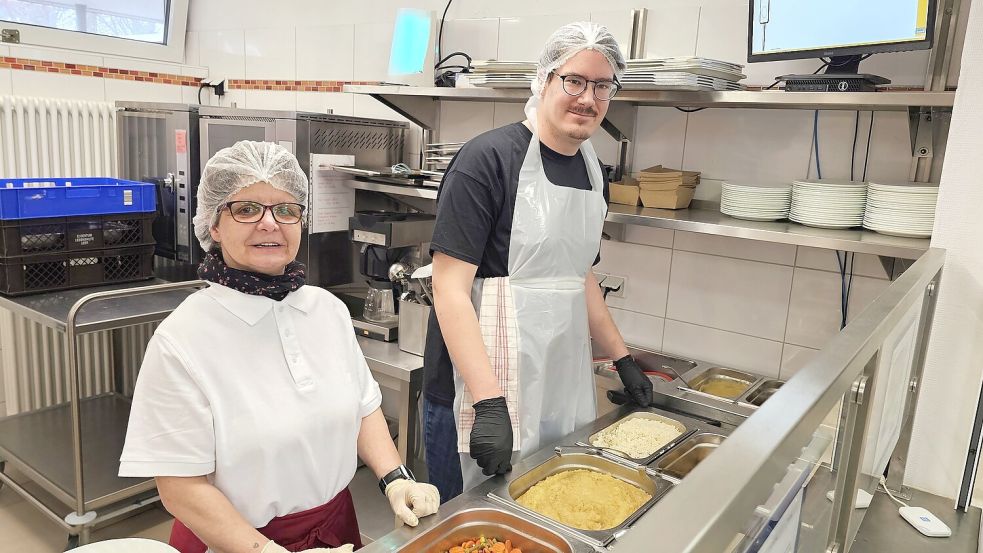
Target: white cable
883,484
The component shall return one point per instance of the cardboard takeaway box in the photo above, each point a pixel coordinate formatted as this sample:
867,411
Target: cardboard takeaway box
667,188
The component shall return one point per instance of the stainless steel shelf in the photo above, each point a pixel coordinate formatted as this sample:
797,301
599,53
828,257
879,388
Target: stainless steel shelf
412,191
757,99
39,444
51,309
708,220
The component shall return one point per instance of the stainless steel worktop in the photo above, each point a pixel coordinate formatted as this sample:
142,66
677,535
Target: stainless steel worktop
386,358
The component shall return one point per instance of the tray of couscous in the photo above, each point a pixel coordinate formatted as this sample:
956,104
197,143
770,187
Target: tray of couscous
641,436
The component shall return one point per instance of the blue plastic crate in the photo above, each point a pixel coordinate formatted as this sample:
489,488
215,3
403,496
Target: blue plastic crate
66,197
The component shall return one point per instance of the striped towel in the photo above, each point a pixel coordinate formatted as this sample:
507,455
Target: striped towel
496,316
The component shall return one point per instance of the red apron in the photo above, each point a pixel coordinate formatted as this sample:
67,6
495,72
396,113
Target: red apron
330,525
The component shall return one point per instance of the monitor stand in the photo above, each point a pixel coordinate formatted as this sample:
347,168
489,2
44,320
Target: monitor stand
841,75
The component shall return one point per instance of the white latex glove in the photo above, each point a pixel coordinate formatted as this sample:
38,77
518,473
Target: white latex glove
272,547
411,500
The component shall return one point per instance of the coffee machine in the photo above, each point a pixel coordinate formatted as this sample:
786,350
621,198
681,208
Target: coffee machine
386,239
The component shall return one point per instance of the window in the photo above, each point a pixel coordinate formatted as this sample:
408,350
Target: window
138,28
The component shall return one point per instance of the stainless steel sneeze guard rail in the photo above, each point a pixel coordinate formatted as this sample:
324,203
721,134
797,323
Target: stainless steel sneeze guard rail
714,504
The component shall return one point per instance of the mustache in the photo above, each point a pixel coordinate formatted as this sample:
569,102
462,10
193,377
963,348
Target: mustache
588,112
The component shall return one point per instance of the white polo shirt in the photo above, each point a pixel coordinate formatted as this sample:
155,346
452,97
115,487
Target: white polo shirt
266,398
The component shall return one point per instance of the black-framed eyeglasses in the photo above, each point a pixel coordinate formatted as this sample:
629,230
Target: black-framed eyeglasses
575,85
245,211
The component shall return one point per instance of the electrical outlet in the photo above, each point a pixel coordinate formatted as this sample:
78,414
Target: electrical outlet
616,284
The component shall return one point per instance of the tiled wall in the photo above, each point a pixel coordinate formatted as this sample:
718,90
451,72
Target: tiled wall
758,306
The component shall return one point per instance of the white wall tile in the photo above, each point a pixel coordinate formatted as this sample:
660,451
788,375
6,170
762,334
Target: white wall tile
223,53
794,358
708,190
671,29
55,54
648,236
522,38
192,48
189,95
272,99
814,309
754,250
506,113
232,98
54,85
6,86
366,106
618,22
730,294
152,66
326,53
749,144
476,37
825,260
728,349
647,271
142,92
4,50
319,102
462,121
639,329
271,54
890,148
659,138
372,45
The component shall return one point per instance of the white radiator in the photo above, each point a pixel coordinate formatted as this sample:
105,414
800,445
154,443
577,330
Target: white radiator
43,137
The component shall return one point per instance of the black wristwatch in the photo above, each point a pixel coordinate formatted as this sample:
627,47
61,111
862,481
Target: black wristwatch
399,473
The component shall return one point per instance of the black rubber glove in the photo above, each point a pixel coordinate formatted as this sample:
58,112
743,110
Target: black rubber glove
491,436
637,384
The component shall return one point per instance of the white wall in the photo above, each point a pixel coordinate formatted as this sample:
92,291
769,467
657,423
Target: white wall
954,368
691,294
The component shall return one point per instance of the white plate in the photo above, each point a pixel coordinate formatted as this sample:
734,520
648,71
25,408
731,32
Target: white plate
901,234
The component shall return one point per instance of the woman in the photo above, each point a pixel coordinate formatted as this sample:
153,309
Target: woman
254,396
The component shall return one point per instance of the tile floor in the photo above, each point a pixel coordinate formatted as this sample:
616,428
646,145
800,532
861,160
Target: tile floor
24,528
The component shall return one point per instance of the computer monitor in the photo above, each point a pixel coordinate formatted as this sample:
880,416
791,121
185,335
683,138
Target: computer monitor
844,30
411,56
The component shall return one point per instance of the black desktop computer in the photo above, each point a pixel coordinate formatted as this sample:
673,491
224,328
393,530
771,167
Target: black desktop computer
841,33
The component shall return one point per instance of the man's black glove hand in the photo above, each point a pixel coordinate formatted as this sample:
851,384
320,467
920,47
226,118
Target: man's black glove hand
637,384
491,436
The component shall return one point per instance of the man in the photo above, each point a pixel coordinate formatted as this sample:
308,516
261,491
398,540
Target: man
519,218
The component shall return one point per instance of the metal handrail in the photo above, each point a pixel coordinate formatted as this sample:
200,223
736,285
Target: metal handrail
718,498
73,373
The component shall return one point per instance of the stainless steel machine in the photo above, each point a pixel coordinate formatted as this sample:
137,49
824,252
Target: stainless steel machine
169,144
158,143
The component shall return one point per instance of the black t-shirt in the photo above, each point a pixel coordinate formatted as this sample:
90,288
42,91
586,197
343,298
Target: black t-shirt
474,221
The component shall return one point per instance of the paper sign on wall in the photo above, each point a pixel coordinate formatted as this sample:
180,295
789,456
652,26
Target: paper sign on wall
332,198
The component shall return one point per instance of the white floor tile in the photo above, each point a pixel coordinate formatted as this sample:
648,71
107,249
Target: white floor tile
740,296
728,349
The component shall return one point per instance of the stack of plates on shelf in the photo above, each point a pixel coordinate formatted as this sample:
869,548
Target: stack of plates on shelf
502,74
755,202
682,73
438,155
828,203
906,209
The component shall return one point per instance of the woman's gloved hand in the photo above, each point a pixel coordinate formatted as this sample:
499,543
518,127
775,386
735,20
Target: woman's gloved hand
411,500
637,384
491,436
272,547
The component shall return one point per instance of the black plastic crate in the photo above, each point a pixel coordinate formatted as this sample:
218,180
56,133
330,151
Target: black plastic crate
70,234
61,271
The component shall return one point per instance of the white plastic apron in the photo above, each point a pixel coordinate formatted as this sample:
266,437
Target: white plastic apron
555,234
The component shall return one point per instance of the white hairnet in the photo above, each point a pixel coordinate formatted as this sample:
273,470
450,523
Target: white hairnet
238,166
568,41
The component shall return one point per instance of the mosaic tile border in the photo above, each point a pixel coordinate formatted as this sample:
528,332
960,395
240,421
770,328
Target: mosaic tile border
24,64
40,66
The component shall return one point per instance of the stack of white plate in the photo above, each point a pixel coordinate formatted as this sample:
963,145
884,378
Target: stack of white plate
502,74
755,202
682,73
906,209
828,203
